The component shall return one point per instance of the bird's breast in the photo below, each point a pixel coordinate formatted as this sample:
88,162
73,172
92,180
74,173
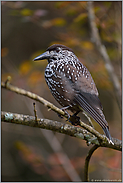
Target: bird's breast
59,83
67,78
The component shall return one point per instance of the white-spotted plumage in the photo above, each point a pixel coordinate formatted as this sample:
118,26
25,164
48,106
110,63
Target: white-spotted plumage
71,83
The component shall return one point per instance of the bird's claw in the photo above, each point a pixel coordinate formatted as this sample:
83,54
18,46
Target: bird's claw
59,115
66,113
74,120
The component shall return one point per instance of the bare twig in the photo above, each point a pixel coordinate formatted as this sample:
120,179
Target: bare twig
58,127
35,112
101,138
103,52
33,96
49,125
91,151
57,147
8,80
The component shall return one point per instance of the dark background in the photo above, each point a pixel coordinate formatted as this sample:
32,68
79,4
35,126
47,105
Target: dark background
28,28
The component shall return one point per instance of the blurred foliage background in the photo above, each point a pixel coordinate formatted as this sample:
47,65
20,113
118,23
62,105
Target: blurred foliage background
28,28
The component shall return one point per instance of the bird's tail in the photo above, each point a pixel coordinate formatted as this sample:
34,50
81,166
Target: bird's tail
96,114
106,130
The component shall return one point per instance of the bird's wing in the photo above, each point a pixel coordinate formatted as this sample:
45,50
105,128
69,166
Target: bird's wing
91,104
86,95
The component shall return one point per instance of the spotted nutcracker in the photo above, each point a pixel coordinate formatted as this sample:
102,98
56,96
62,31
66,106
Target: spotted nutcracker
71,84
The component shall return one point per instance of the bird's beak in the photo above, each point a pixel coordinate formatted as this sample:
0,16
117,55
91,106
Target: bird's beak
43,56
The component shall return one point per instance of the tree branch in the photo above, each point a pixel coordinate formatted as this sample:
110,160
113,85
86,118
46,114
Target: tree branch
103,52
93,137
88,157
58,127
7,85
32,96
49,125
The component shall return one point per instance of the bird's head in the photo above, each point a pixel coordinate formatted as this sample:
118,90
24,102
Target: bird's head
55,52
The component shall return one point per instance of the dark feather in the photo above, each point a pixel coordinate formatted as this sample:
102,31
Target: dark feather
93,107
55,46
72,84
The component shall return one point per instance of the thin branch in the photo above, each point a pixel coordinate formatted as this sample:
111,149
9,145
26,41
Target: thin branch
58,127
101,138
32,96
103,52
35,112
88,157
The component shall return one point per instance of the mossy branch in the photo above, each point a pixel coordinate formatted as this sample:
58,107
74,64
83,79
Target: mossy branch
90,135
101,138
58,127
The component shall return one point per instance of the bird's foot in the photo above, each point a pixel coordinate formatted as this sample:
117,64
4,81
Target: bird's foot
66,113
74,120
59,115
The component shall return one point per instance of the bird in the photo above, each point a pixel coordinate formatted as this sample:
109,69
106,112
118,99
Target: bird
72,85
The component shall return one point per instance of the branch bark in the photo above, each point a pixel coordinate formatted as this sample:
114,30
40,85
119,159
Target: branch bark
93,137
31,95
58,127
88,157
101,138
103,52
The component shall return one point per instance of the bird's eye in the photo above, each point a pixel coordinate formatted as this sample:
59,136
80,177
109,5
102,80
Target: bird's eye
57,50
